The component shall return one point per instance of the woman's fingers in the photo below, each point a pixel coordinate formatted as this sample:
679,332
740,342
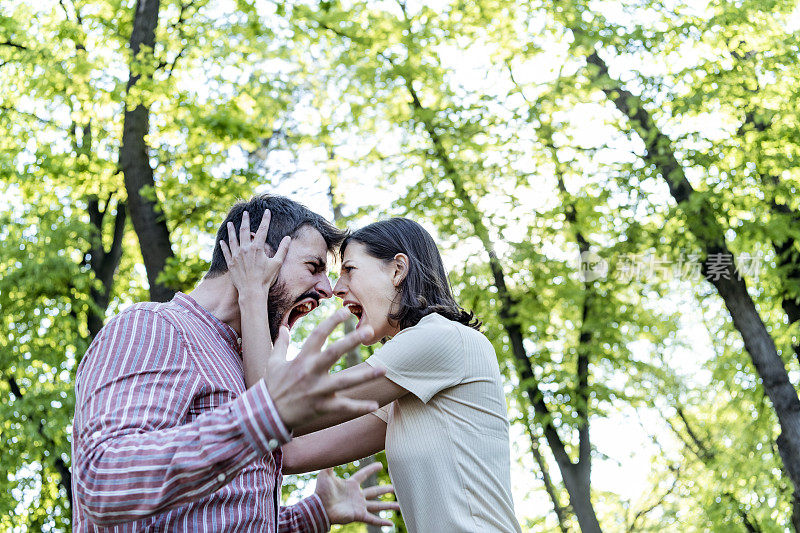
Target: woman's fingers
244,229
233,242
283,248
263,227
226,253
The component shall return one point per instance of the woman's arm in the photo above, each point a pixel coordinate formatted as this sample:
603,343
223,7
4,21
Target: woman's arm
334,446
382,390
253,272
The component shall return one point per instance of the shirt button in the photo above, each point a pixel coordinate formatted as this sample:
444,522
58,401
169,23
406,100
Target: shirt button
239,341
272,444
221,478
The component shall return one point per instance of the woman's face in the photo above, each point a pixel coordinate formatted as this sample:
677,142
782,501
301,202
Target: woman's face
367,288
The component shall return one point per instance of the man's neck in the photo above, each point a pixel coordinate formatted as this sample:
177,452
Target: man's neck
219,297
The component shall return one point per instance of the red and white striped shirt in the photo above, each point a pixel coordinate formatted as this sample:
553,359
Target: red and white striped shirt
165,436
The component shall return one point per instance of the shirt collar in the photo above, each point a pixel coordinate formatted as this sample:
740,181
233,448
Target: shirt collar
225,331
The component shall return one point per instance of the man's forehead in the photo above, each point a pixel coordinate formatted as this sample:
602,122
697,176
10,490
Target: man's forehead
309,245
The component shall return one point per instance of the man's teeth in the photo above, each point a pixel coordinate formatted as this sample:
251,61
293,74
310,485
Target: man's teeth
304,308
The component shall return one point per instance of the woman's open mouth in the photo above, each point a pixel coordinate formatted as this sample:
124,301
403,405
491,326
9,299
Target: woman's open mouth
300,310
356,309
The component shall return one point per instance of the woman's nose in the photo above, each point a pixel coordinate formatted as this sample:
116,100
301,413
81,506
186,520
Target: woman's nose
340,289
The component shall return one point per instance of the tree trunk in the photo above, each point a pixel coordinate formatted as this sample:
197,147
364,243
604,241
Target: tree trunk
549,487
701,221
146,215
572,473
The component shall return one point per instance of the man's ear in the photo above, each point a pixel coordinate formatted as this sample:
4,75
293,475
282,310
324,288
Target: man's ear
400,263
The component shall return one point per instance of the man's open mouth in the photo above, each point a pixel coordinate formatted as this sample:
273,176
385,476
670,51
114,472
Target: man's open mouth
300,310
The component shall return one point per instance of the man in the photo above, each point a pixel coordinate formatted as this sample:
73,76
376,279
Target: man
165,436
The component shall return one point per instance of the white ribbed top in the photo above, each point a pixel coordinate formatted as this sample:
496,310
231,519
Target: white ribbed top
447,442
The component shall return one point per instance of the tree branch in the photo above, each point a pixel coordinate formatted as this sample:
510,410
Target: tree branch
14,45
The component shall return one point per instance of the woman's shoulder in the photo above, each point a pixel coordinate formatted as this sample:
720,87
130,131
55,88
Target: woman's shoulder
441,329
432,330
436,323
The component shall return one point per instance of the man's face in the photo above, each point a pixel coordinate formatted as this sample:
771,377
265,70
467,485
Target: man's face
302,281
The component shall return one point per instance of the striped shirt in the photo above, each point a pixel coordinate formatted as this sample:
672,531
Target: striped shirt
165,436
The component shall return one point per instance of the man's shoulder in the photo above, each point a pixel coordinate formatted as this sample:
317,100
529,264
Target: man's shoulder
166,312
139,329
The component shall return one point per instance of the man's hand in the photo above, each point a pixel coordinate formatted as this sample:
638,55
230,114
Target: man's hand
303,389
345,501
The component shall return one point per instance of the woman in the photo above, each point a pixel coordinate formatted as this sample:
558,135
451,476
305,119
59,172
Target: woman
443,421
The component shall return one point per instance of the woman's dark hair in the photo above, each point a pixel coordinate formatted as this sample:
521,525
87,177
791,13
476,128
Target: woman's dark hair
288,217
425,288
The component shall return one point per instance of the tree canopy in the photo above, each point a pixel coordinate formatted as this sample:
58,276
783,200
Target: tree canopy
612,185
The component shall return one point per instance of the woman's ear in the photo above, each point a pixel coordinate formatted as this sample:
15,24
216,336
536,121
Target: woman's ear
400,269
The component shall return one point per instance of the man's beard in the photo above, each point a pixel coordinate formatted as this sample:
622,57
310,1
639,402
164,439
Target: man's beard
278,304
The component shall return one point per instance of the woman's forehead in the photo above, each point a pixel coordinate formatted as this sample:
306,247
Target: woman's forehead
354,250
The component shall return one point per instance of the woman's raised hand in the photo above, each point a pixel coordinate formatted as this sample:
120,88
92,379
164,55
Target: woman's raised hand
252,270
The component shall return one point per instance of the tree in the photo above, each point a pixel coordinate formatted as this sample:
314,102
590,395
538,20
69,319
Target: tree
110,122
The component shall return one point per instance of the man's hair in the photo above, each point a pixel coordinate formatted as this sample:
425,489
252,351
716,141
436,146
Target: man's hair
288,217
425,289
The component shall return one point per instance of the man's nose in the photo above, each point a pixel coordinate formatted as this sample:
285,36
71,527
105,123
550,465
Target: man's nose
323,287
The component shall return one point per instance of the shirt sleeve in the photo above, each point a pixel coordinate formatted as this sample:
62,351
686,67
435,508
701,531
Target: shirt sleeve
383,412
306,515
424,359
133,457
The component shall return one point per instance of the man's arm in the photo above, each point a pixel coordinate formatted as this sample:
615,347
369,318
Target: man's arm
308,515
132,458
335,446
